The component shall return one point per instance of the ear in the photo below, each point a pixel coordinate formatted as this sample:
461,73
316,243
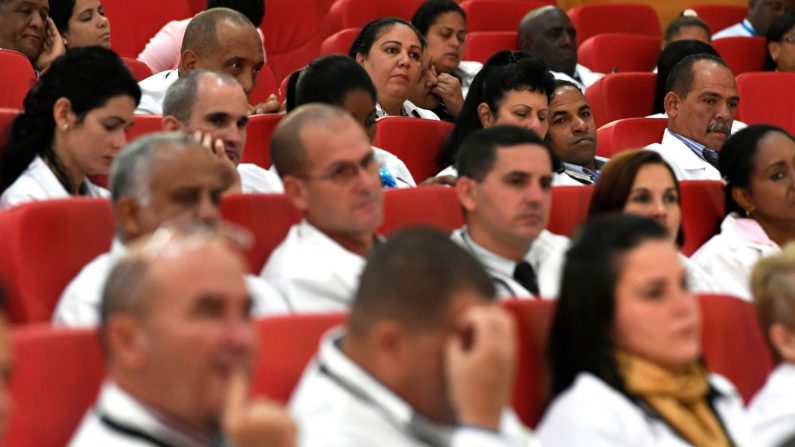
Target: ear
295,190
783,340
743,198
127,213
360,58
467,191
774,48
671,104
126,341
188,62
63,114
389,342
485,115
171,124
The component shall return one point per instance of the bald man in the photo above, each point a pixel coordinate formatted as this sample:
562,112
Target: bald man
761,14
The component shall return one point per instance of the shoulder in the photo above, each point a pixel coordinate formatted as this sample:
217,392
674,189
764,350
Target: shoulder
37,182
552,241
79,303
255,179
92,432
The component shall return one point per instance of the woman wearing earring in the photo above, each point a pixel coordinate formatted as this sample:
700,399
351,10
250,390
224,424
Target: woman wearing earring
758,166
781,43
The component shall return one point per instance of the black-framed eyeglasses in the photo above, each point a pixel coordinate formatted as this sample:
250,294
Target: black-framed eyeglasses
345,172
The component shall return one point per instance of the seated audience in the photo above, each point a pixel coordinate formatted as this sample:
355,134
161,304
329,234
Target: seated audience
25,27
761,14
426,357
625,348
390,49
180,346
781,43
73,126
548,34
505,175
772,410
444,25
213,106
439,93
641,182
82,23
158,179
572,133
701,104
757,165
671,55
330,174
686,27
162,52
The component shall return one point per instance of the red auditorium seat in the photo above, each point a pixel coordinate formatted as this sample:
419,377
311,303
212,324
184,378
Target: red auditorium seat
339,42
481,45
356,13
144,124
292,34
742,54
258,139
139,70
16,78
733,343
629,133
638,52
287,344
434,206
80,228
134,23
591,19
57,373
719,17
768,97
266,85
415,141
497,15
621,95
703,210
268,217
569,208
7,116
197,6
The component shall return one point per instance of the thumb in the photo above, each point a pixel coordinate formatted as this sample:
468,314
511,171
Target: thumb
236,395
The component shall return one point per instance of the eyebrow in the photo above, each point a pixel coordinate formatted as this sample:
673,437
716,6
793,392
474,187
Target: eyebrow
775,165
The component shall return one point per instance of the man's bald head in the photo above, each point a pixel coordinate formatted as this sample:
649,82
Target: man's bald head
548,34
201,34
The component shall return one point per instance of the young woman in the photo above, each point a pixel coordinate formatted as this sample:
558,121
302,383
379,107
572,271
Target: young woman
781,43
82,23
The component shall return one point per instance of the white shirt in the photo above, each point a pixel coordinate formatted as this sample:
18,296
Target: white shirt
591,413
772,410
729,256
409,109
312,271
737,125
587,76
399,171
80,301
684,162
119,407
38,182
546,256
254,179
338,404
153,91
698,280
558,178
466,72
742,29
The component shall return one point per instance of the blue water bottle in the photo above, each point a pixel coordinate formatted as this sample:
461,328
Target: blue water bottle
387,181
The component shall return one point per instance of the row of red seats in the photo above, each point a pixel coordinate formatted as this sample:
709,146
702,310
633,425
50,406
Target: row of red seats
57,372
36,274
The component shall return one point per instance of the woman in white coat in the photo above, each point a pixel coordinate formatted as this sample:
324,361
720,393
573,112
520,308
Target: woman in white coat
625,348
758,167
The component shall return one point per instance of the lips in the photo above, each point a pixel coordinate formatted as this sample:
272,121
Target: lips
232,155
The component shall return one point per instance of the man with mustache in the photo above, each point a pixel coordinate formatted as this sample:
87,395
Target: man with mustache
505,176
701,104
330,174
25,26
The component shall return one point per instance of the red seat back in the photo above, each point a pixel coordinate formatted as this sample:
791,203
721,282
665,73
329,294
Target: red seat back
266,86
497,15
480,46
134,23
638,52
292,37
703,210
258,139
36,274
767,98
742,54
627,134
356,13
433,206
415,141
139,70
733,343
340,42
621,95
569,208
268,217
719,17
591,19
143,125
7,116
16,78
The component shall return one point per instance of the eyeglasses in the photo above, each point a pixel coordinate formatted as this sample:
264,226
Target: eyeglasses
344,172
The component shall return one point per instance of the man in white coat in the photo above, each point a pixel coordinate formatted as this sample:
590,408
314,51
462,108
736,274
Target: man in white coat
426,357
330,174
701,104
761,13
505,176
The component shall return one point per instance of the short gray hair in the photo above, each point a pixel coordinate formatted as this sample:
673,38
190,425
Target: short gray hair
181,95
201,35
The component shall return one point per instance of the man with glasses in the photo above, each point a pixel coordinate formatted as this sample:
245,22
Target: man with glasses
329,173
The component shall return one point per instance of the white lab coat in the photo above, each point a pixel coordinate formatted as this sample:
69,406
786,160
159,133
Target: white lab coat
587,76
684,162
153,91
558,178
730,255
742,29
772,410
698,280
409,109
341,405
399,171
254,179
591,413
466,72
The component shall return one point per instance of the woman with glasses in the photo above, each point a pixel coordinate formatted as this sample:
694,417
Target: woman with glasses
781,43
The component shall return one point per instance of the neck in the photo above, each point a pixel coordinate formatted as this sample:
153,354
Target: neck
360,243
778,232
74,175
391,107
510,249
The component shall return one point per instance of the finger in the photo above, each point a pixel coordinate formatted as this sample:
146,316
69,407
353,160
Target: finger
236,393
218,148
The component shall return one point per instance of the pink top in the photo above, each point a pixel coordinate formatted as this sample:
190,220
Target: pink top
163,50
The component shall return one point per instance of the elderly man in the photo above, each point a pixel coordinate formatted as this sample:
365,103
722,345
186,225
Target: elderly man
25,27
213,105
146,193
180,346
701,104
548,34
426,358
505,175
761,14
219,39
330,174
572,133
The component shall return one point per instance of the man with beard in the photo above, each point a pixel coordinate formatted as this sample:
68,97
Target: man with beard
701,104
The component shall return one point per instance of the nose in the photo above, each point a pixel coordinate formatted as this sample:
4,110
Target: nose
206,211
724,112
565,40
37,21
240,335
119,139
248,80
580,125
102,22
